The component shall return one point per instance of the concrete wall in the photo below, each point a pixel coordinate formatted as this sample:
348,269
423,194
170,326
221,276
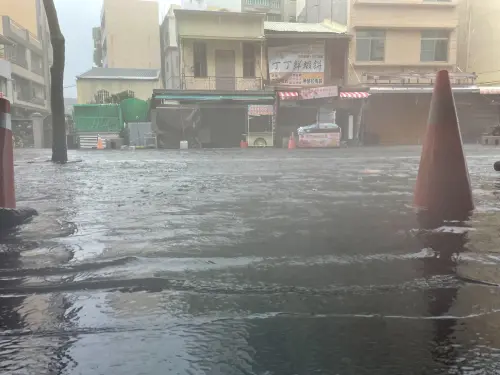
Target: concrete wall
416,14
87,88
205,25
5,79
131,34
171,69
403,25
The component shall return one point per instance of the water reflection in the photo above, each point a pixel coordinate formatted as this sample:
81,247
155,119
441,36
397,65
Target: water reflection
446,243
10,259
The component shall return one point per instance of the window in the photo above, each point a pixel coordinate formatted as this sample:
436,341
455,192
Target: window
273,17
200,59
101,96
434,45
370,45
248,60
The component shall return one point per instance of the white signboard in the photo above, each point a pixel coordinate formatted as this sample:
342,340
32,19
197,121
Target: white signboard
320,92
299,64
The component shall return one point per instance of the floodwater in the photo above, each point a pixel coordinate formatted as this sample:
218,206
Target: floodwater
265,262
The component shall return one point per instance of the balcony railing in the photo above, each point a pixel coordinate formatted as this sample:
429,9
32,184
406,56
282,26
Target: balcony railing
20,96
221,83
19,31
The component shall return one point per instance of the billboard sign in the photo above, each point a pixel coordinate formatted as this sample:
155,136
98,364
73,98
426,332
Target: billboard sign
299,64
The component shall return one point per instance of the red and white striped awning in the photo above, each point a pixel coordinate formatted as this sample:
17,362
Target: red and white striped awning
288,95
354,95
489,90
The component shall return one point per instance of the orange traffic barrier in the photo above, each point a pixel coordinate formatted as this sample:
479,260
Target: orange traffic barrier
100,144
7,188
443,187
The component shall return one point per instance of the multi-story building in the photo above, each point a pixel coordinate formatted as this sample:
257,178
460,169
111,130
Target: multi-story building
275,10
313,11
25,58
129,35
479,31
213,60
396,51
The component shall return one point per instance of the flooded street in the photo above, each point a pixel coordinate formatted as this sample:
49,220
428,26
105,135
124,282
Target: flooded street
264,262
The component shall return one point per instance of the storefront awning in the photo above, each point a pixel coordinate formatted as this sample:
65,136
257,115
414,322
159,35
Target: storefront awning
492,90
166,98
354,95
288,95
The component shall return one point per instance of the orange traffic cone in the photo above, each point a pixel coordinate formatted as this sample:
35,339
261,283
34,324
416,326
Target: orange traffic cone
443,189
291,142
100,144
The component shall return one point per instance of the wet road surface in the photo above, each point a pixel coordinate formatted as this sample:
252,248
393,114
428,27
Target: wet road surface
246,262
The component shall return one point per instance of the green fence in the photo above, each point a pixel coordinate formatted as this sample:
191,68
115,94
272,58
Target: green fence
134,110
98,118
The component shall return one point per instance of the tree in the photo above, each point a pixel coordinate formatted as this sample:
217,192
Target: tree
59,146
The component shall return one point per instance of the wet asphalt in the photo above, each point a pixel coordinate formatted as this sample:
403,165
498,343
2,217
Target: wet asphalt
268,262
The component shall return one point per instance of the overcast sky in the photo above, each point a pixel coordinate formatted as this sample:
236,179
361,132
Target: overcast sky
77,17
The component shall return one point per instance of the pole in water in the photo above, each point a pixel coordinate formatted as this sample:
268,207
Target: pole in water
7,187
443,187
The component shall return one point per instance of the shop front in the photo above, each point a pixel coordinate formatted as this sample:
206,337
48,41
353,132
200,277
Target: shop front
215,119
398,115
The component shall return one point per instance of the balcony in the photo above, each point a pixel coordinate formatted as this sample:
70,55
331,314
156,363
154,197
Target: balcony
18,34
30,100
222,83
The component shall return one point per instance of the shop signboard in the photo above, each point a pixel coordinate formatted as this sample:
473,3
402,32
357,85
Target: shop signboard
298,64
319,140
261,110
320,92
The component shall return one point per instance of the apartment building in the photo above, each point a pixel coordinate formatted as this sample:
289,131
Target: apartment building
398,47
126,24
275,10
314,11
25,59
